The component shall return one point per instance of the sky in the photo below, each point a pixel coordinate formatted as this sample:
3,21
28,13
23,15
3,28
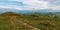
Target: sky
30,4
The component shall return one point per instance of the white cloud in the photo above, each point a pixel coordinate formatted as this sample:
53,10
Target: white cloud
56,8
35,4
41,4
12,7
4,7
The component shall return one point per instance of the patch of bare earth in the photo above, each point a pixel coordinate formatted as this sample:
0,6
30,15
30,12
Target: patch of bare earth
12,24
22,22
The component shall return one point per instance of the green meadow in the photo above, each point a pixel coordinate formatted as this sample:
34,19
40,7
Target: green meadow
13,21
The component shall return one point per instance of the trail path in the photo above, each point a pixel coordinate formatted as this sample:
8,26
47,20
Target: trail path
22,22
12,24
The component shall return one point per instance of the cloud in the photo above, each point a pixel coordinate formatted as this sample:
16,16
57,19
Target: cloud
41,4
15,7
31,4
12,7
27,4
55,8
35,4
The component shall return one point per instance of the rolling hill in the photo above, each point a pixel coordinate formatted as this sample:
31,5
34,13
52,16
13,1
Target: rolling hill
14,21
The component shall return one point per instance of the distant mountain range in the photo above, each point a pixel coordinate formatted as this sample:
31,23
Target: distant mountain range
3,10
15,10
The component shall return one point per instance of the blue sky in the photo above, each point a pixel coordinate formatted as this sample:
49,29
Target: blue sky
30,4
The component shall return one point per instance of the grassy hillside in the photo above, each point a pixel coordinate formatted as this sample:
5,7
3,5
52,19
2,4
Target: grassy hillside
13,21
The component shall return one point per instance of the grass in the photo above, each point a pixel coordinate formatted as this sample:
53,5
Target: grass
4,23
44,22
22,27
41,21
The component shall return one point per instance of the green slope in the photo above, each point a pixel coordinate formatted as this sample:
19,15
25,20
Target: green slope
41,21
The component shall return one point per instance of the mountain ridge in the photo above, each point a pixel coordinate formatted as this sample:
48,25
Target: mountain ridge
3,10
